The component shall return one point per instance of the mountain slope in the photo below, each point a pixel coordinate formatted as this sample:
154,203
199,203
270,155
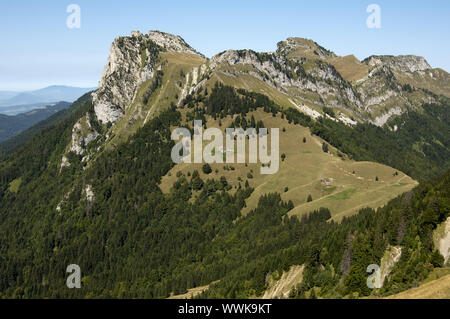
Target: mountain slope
438,288
99,188
332,179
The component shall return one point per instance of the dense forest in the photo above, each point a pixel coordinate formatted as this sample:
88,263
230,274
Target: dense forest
133,241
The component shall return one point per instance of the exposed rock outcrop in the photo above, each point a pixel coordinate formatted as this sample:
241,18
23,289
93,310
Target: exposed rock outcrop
390,258
283,73
302,68
82,134
441,238
382,119
171,42
64,162
89,193
132,61
402,63
282,287
303,48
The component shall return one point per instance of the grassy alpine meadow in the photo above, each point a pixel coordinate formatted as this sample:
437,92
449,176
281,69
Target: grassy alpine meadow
332,179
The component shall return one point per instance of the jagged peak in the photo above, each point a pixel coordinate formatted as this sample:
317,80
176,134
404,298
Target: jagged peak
167,41
171,42
294,47
232,52
132,61
402,63
244,56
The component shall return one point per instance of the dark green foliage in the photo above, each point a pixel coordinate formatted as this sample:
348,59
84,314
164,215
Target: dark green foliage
156,83
329,111
419,148
437,260
206,169
129,218
225,100
196,181
133,241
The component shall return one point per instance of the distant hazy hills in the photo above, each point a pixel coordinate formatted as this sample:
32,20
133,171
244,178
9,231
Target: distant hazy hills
12,103
4,95
18,109
12,125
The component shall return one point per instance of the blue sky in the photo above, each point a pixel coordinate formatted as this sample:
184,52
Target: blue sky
37,49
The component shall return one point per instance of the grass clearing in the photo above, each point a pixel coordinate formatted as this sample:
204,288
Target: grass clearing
307,170
191,293
434,289
349,67
15,185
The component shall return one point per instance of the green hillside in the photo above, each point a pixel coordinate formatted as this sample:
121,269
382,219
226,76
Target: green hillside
333,181
95,185
132,240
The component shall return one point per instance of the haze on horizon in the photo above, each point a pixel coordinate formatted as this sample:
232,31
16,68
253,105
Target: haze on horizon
39,50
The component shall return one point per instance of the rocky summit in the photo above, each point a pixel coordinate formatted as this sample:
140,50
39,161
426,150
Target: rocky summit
301,70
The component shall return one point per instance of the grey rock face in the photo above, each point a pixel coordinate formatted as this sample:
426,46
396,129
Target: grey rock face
377,92
401,63
131,62
276,70
299,67
82,134
171,42
304,46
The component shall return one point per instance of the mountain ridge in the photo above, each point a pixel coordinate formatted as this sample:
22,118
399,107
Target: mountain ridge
296,58
301,74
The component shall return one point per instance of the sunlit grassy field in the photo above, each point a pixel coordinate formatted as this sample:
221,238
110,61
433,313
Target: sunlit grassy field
336,182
